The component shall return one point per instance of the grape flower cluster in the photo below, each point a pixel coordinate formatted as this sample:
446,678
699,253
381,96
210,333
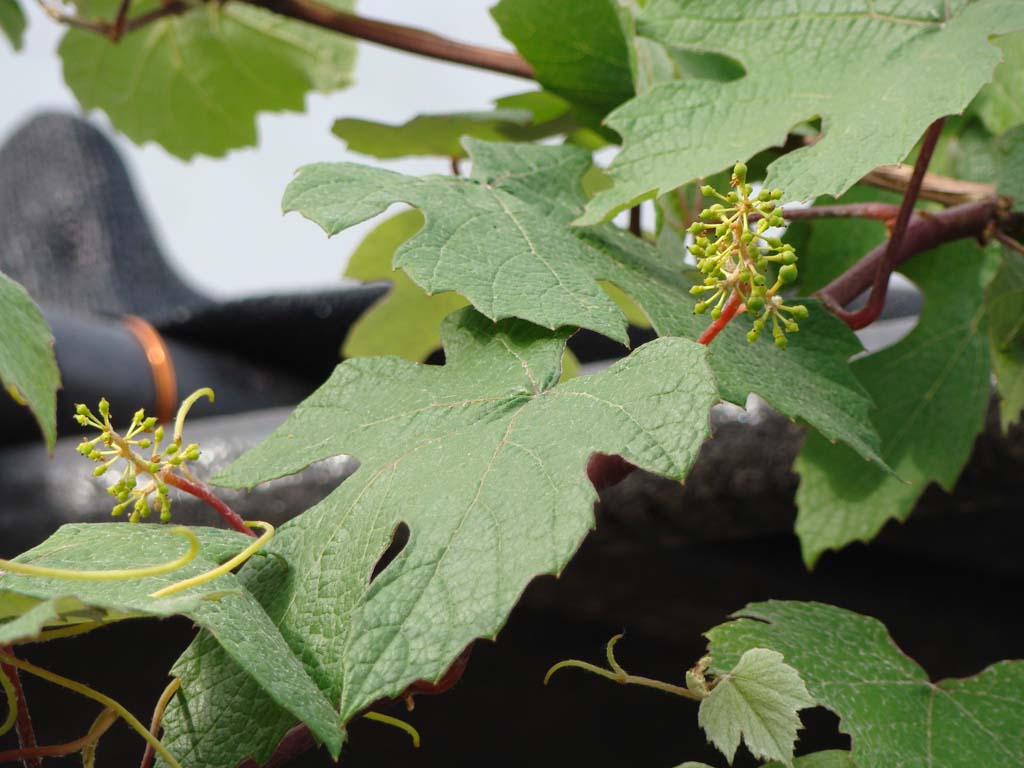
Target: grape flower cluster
735,257
110,447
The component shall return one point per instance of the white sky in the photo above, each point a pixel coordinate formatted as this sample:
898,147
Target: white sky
219,220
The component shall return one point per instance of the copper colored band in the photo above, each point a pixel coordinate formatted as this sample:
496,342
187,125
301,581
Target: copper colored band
165,383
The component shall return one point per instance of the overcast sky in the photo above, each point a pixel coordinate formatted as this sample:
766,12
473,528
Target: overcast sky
219,220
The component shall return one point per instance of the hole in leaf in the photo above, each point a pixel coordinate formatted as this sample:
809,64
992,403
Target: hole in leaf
399,538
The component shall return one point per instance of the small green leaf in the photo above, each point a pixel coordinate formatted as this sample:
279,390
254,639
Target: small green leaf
28,368
12,22
524,117
833,758
579,50
802,59
1000,104
892,712
30,604
932,390
757,700
195,82
448,451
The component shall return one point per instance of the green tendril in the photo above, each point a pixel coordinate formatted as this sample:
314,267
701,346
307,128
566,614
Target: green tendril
12,702
733,257
114,574
396,723
106,701
185,407
227,567
618,675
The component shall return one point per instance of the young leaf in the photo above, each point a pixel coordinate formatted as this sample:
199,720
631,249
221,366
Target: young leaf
802,59
12,22
222,606
884,700
1000,104
524,117
195,82
28,368
484,459
758,701
502,240
579,50
932,390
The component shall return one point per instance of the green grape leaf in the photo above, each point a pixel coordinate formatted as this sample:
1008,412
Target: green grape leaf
757,700
579,50
1004,305
449,451
30,604
833,758
892,712
406,322
501,239
1009,151
932,390
28,368
195,82
1000,104
802,59
12,22
524,117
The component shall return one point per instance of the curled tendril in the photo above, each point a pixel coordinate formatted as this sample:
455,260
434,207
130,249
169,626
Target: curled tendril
110,447
619,675
12,702
734,257
106,701
116,574
396,723
230,565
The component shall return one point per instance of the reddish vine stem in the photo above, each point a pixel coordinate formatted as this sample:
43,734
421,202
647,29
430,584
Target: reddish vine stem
404,38
201,492
925,231
879,211
880,285
634,220
23,725
732,306
101,726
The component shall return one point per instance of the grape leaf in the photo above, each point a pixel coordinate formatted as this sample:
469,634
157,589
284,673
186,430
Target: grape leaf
932,390
1010,165
1004,305
406,322
803,59
523,117
28,368
885,701
578,50
241,627
501,239
195,82
757,700
1000,104
833,758
484,460
12,22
